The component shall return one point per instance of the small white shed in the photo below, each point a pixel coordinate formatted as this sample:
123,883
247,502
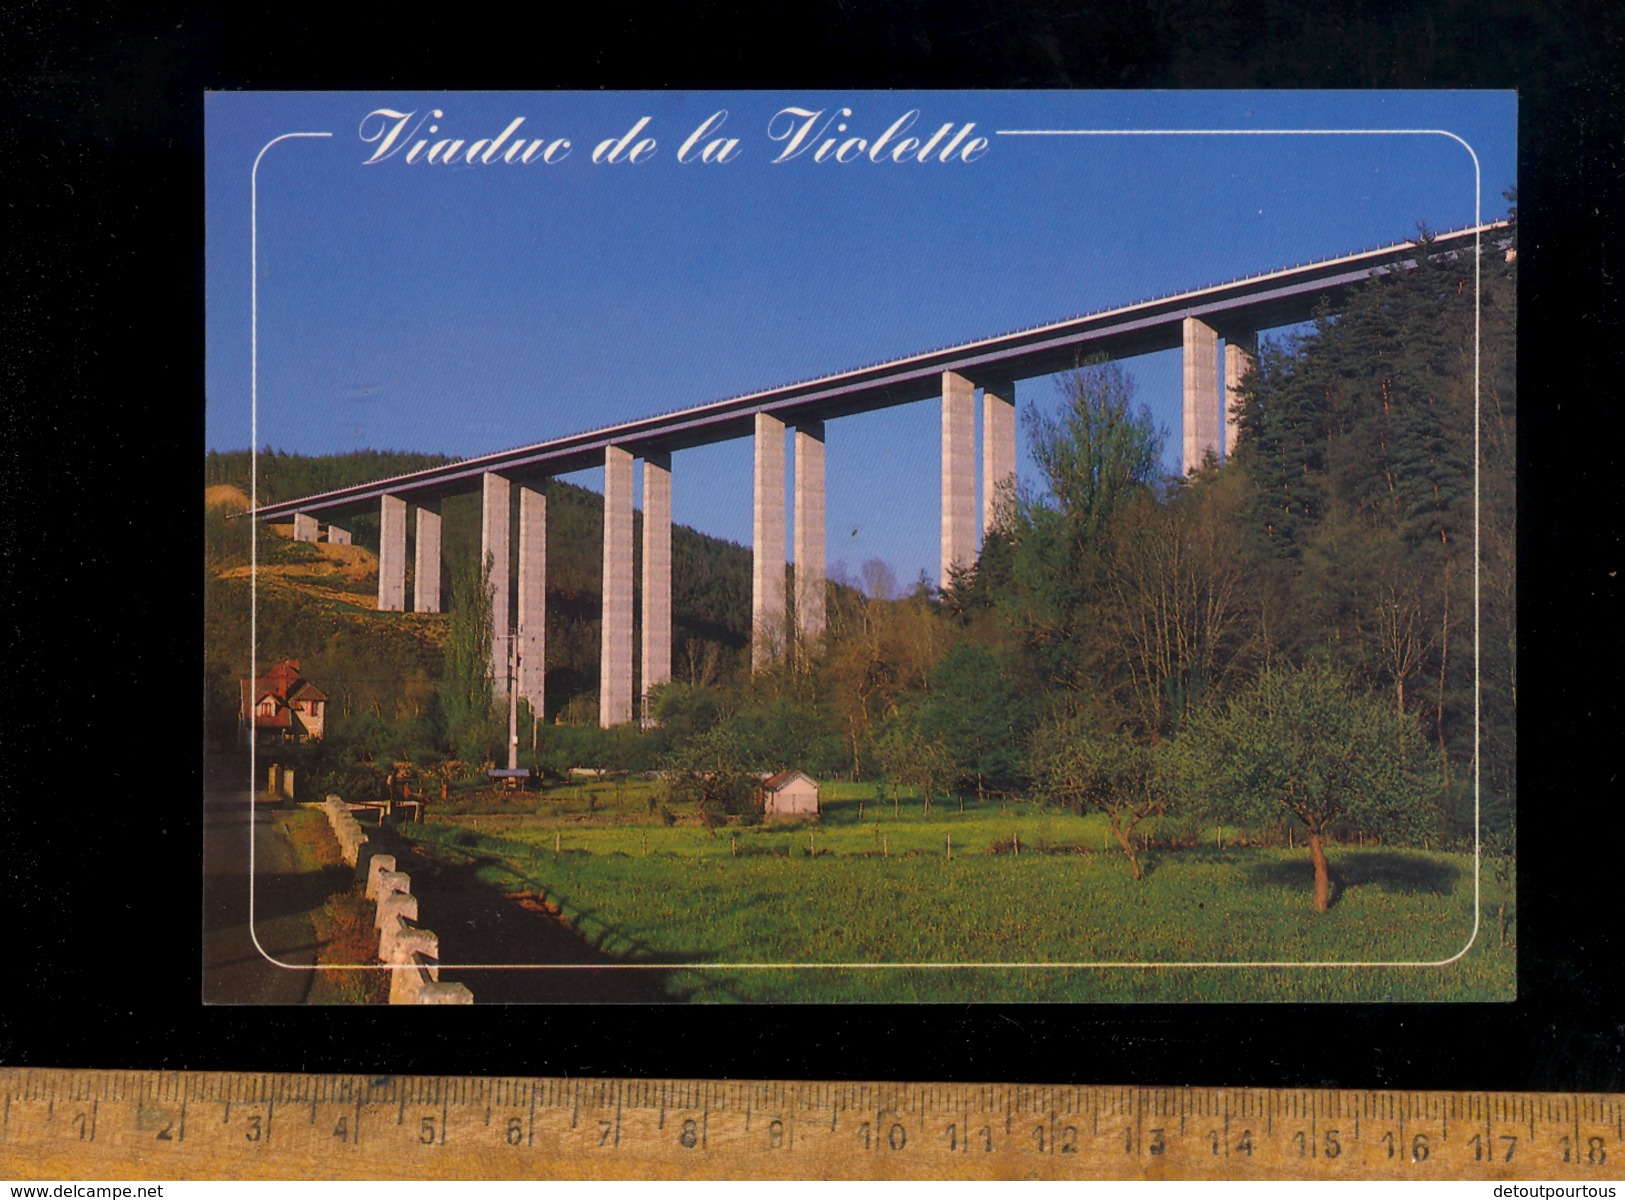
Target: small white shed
790,793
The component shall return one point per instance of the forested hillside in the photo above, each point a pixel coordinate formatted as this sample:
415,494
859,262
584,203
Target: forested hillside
389,665
1339,538
1142,647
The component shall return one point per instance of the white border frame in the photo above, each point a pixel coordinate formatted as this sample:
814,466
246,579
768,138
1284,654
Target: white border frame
1478,261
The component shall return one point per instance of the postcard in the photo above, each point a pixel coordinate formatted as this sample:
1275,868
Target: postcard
785,547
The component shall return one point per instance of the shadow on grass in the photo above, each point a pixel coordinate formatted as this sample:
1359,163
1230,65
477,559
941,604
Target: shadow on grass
505,931
1150,863
1392,871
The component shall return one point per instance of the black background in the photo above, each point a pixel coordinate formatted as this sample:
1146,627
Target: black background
101,396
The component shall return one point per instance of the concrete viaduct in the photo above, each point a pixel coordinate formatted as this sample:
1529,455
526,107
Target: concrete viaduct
1195,321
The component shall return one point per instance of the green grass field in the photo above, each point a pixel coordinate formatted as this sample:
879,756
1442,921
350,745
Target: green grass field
882,889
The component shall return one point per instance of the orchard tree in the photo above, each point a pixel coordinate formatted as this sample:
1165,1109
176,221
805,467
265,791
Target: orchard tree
709,774
1076,763
914,758
1304,739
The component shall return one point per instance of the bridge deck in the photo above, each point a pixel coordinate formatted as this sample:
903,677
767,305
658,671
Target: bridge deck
1241,306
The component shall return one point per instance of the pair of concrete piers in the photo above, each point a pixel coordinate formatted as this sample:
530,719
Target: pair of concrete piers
770,620
1202,415
519,614
305,529
770,616
1202,410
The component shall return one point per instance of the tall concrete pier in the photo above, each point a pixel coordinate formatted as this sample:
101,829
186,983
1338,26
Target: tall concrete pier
1240,355
958,473
656,572
426,559
615,647
494,539
998,447
1201,379
767,627
532,626
1193,321
392,554
809,533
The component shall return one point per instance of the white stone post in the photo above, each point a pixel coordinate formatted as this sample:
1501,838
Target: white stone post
767,566
615,651
304,527
809,533
1201,380
392,555
958,474
394,900
337,536
376,866
444,993
656,572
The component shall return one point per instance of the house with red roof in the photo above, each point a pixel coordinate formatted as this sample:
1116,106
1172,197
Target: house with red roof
283,706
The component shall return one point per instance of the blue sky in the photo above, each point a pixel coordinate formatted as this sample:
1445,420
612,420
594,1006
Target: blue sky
466,309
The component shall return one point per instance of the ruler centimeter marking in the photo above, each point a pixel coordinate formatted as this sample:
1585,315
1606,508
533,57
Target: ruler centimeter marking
104,1124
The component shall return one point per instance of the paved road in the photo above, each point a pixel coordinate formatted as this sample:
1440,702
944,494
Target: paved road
234,969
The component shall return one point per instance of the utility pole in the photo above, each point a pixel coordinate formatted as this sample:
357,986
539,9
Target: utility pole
513,703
